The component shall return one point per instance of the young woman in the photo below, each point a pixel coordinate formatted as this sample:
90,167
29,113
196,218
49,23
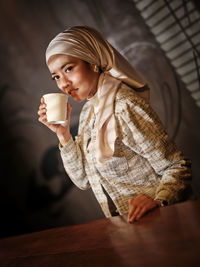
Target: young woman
122,150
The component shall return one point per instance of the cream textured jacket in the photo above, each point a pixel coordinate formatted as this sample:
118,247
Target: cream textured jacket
145,159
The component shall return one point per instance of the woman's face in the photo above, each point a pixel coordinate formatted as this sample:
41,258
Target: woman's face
74,76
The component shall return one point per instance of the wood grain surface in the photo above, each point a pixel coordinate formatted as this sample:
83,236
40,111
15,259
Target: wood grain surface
167,236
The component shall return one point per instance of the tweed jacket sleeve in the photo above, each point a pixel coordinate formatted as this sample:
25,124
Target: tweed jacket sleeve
73,157
73,163
143,132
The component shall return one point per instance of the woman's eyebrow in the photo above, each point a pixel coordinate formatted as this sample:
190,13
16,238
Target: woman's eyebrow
65,64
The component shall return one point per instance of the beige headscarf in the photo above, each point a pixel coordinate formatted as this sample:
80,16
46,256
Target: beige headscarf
87,44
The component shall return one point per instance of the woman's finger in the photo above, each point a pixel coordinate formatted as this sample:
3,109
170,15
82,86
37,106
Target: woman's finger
42,111
133,215
42,100
43,118
132,207
42,108
142,211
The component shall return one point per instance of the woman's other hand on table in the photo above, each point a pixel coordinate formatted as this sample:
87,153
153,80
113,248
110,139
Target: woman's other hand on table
139,206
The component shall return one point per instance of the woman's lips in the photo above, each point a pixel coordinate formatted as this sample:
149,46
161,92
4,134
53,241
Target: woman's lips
73,92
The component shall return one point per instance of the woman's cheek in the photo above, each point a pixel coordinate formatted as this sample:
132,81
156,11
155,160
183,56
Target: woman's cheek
75,79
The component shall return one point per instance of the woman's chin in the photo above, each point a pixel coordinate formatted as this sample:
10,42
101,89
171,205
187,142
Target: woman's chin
78,99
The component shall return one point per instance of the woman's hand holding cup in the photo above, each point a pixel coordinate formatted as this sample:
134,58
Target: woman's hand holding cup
61,128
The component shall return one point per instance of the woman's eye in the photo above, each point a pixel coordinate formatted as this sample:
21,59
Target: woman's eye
55,77
69,69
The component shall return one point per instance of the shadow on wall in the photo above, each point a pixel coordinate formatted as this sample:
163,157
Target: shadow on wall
55,183
24,192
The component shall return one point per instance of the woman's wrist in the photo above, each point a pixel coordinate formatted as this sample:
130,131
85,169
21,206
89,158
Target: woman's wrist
64,140
161,203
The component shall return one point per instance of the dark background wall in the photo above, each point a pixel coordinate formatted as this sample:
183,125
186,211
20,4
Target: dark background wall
35,192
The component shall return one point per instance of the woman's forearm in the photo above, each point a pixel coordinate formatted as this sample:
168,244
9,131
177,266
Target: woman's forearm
73,162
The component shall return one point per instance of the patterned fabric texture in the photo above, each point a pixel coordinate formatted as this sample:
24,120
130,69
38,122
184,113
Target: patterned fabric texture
145,159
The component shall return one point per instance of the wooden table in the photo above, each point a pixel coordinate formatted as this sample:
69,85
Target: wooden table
167,236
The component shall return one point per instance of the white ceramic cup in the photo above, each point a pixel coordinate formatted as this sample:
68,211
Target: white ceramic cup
56,107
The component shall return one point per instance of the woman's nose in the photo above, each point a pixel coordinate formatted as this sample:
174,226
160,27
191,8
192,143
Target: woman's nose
64,84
